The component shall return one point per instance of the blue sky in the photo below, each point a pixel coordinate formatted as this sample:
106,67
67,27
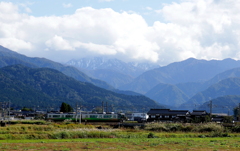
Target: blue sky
159,31
63,7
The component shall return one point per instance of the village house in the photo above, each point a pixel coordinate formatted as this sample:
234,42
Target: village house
165,115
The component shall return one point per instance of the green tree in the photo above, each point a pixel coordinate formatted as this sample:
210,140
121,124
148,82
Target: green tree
236,112
227,119
66,107
26,109
207,118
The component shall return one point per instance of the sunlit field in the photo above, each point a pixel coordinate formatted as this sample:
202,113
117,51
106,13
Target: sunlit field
159,136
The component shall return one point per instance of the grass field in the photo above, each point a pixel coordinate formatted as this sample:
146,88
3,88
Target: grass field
127,144
75,137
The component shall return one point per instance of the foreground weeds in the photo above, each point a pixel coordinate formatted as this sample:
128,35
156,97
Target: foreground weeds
185,127
154,136
75,131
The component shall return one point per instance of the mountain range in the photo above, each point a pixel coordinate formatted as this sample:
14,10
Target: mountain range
45,87
224,104
186,84
113,71
10,59
190,70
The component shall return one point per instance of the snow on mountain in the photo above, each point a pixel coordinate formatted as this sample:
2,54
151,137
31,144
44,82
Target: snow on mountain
133,69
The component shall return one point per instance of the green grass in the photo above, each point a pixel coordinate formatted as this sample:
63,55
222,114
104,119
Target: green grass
126,144
71,136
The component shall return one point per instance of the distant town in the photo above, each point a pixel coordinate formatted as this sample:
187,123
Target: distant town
66,112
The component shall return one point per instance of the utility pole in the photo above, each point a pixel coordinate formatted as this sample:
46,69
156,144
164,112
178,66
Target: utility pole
102,107
210,105
80,115
76,112
238,112
106,107
112,108
8,112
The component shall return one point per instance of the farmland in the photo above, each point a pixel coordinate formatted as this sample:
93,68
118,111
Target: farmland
161,136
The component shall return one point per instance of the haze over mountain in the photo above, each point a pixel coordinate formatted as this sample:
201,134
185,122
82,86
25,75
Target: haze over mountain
224,104
198,93
229,86
190,70
112,71
191,88
167,94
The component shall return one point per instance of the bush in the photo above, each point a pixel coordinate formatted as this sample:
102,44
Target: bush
208,127
236,128
155,127
151,135
168,127
172,127
218,134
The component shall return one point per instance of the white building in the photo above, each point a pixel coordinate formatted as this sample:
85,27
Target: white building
139,116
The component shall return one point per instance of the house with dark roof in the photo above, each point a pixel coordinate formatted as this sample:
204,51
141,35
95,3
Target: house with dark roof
199,116
199,113
165,115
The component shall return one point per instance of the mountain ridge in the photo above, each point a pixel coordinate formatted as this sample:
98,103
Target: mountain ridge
43,87
42,62
190,70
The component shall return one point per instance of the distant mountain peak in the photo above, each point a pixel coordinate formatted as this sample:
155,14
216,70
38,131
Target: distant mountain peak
96,63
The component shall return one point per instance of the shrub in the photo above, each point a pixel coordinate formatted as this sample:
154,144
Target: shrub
218,134
167,127
156,127
151,135
208,127
236,128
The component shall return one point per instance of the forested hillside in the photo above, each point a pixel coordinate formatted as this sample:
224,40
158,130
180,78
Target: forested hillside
44,87
8,57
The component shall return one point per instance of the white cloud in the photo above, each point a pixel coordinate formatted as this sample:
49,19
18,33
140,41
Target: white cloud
67,5
149,8
16,44
203,29
58,43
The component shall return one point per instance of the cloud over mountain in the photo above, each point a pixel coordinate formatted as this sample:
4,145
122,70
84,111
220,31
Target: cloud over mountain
202,29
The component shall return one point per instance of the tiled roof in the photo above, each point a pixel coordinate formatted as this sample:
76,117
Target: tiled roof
199,112
167,111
